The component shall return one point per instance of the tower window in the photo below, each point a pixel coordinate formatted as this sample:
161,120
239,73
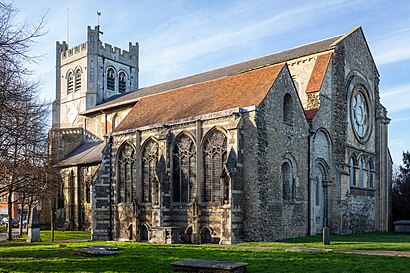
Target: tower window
111,79
78,80
70,82
122,82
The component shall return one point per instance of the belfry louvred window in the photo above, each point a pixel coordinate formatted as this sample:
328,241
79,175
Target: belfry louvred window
184,169
126,173
149,165
215,155
111,79
78,80
122,82
70,82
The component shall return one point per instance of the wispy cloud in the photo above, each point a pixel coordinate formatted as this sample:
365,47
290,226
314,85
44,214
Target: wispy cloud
393,47
396,99
198,35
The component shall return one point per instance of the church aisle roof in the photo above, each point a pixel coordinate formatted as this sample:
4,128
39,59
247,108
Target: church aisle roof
318,73
276,58
240,90
87,153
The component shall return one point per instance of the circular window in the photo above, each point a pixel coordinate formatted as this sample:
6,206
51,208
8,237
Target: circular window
360,114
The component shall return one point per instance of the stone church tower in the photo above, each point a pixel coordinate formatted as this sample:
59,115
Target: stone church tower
89,74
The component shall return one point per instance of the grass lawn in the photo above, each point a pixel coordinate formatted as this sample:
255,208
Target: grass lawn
19,256
368,241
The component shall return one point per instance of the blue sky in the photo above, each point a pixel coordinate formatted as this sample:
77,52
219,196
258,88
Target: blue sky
180,38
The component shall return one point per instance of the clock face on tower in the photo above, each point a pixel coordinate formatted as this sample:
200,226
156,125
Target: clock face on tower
73,110
360,114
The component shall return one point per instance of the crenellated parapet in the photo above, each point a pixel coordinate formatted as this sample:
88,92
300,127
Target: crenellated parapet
74,50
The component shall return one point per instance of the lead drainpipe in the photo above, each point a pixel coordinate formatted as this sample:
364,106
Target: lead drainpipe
110,189
311,133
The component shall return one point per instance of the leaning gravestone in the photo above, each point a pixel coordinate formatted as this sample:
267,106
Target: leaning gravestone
33,229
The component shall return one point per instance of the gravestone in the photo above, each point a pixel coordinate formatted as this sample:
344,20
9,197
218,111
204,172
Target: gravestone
209,266
33,229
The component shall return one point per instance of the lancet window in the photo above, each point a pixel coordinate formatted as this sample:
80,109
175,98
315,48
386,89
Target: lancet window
78,80
70,82
288,181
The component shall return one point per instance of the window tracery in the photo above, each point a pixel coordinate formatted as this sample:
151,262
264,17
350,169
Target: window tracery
126,173
149,164
215,155
184,169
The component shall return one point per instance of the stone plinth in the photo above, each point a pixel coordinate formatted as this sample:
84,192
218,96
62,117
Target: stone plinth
209,266
402,226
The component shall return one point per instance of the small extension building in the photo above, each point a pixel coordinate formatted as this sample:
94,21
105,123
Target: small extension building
271,148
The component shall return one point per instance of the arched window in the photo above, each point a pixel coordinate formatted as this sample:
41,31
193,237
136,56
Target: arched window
369,173
184,169
352,172
149,165
115,121
215,146
71,190
78,80
126,173
122,82
288,109
88,192
70,82
288,181
361,173
111,79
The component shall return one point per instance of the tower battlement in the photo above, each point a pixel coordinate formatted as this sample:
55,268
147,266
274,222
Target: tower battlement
74,50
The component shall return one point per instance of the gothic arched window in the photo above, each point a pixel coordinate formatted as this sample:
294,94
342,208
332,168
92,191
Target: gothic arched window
369,173
78,80
111,79
352,172
287,181
149,165
361,171
122,82
70,82
288,109
126,173
215,147
184,169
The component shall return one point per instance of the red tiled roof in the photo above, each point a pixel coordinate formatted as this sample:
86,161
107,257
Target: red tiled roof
276,58
311,113
318,73
239,90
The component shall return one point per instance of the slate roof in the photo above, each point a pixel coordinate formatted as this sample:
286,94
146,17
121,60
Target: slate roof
240,90
290,54
87,153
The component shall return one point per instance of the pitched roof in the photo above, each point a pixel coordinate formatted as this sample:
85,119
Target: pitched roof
311,113
239,90
318,73
86,153
290,54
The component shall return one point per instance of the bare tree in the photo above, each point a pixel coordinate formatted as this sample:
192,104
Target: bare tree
22,117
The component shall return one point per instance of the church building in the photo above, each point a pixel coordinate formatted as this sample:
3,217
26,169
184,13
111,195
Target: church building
271,148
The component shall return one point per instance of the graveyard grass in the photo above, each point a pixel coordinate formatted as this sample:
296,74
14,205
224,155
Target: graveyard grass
59,256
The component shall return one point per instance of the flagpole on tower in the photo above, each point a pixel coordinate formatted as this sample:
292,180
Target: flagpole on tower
98,17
